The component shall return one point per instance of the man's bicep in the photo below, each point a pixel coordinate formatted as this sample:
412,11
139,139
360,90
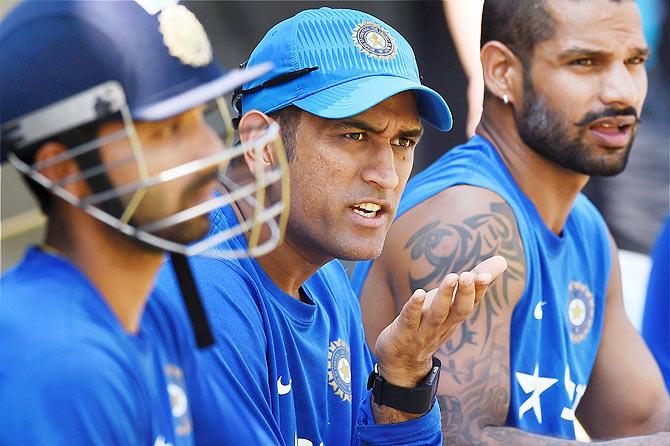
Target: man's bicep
626,394
474,224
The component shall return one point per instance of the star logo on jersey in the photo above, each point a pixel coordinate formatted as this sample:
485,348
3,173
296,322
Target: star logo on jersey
581,308
374,41
535,385
339,369
178,399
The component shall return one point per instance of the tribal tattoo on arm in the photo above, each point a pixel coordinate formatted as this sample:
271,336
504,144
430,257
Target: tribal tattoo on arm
475,360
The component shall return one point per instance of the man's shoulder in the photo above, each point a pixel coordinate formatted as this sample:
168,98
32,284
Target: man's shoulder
70,394
41,275
50,313
216,278
90,371
450,232
474,163
458,210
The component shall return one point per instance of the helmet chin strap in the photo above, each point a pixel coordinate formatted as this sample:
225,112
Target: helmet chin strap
191,296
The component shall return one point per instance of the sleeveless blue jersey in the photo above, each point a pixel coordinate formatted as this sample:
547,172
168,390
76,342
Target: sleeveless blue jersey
298,370
70,374
557,322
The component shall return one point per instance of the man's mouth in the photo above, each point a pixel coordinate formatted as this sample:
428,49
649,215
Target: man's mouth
367,210
613,132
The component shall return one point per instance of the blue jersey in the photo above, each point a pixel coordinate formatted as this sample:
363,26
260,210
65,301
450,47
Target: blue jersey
70,374
299,369
557,322
656,321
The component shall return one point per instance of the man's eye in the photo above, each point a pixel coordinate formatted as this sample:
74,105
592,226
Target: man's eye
403,142
584,62
637,60
355,136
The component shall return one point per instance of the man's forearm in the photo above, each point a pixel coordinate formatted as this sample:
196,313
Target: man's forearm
508,435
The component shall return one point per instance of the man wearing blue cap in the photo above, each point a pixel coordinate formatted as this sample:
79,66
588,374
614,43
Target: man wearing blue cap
551,343
290,343
109,131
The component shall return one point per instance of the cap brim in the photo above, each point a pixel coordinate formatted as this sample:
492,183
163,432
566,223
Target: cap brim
184,101
358,95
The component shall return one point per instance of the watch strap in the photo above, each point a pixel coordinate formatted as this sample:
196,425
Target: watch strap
414,400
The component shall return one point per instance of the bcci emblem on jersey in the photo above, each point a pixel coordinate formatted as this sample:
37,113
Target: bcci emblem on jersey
374,41
178,400
339,369
580,311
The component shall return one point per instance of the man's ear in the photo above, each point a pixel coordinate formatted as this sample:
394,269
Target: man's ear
62,170
253,125
503,71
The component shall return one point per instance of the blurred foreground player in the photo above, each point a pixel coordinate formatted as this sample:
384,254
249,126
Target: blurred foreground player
120,135
565,85
290,343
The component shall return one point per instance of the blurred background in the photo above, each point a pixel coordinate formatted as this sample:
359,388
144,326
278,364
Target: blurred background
633,203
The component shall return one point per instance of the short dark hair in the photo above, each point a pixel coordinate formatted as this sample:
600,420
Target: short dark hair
519,24
288,119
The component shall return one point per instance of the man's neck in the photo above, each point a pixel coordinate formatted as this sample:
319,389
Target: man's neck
121,270
289,266
552,188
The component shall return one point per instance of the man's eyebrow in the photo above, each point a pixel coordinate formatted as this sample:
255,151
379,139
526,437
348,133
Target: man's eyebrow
644,51
582,52
575,52
354,123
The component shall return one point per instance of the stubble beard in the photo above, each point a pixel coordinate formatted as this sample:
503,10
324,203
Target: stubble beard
547,134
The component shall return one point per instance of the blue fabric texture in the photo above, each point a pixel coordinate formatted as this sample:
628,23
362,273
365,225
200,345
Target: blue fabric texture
656,319
553,349
298,370
71,375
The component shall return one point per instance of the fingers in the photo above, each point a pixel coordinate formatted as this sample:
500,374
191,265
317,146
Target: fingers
410,315
495,266
454,300
486,272
464,300
482,282
438,302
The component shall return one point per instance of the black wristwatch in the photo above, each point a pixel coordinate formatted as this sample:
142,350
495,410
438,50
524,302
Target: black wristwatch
416,400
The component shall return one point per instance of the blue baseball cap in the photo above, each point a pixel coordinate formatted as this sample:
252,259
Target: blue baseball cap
336,63
53,50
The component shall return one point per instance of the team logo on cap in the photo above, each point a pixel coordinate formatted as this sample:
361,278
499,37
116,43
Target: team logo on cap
580,311
339,369
375,41
184,36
